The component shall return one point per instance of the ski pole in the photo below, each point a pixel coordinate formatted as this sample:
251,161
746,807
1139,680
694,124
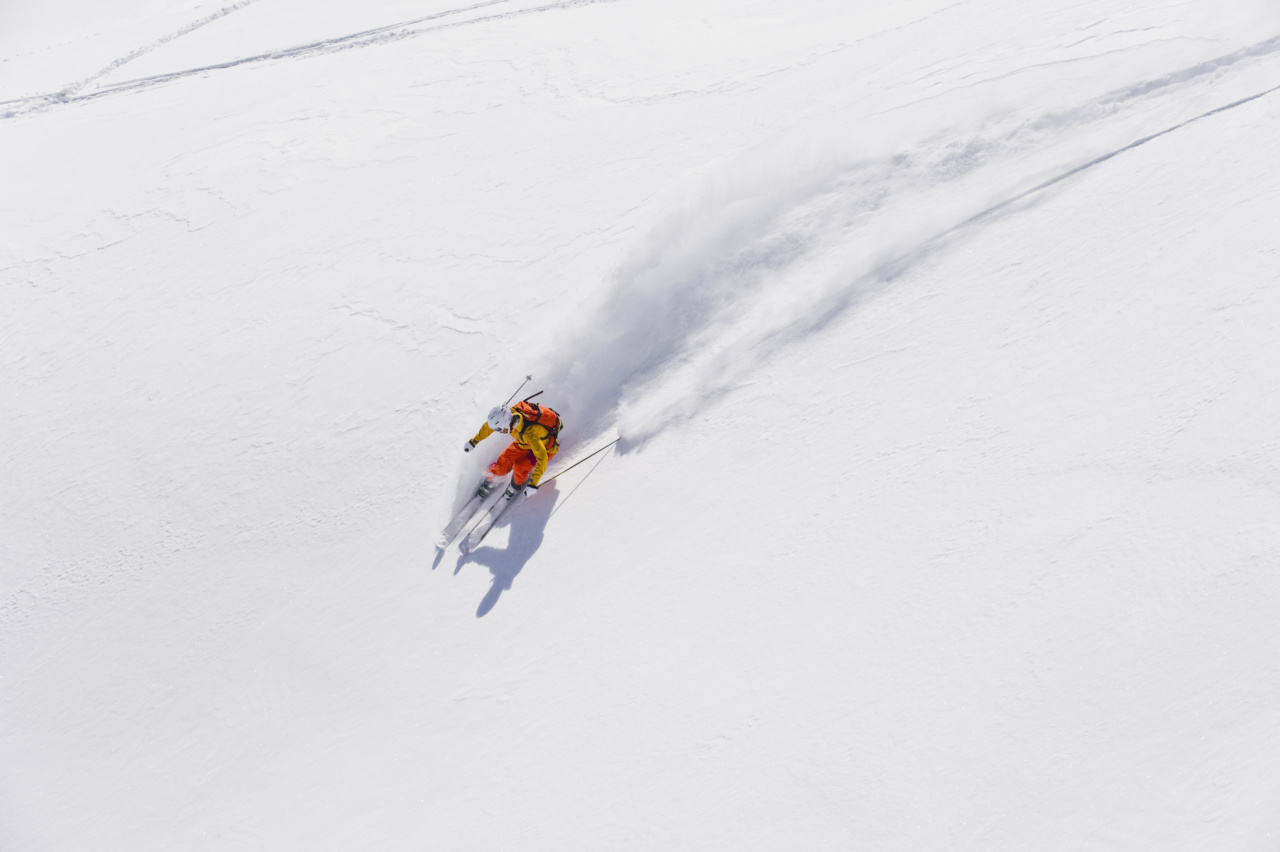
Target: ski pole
526,381
584,458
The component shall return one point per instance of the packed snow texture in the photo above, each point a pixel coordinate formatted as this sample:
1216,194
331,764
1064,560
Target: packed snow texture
939,339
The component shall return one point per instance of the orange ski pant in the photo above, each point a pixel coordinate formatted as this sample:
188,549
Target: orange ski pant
516,458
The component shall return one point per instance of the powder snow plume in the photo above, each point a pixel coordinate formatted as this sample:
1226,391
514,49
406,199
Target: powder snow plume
786,240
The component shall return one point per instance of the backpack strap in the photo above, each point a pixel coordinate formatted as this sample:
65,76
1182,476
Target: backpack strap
524,421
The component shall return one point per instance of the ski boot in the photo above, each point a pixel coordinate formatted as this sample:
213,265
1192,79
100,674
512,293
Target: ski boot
513,490
486,488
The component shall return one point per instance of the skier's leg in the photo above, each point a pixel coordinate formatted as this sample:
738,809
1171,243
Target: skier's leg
522,467
505,461
500,468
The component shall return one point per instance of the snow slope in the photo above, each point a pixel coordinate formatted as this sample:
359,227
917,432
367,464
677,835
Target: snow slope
940,339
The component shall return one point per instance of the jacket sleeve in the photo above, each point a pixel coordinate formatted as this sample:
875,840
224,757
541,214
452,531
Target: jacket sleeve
539,450
484,432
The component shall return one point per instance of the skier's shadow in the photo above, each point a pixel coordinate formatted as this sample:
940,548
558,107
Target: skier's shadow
526,524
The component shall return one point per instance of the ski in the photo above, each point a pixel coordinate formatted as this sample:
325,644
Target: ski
487,522
465,514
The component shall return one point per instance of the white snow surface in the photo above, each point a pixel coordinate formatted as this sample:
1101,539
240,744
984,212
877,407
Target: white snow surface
941,340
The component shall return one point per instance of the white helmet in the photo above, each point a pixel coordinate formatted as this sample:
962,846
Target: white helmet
499,418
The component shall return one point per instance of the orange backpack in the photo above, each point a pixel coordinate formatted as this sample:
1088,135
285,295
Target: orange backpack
531,412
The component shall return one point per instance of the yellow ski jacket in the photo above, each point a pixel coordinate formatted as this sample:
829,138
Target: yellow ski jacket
532,438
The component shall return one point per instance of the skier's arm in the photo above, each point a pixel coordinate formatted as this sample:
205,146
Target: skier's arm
539,450
484,432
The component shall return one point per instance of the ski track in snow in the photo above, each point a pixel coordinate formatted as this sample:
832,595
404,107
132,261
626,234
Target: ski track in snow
68,93
784,242
365,38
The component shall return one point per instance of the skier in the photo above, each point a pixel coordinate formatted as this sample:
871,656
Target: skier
534,430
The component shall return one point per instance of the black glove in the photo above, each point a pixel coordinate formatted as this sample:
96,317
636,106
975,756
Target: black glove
471,444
